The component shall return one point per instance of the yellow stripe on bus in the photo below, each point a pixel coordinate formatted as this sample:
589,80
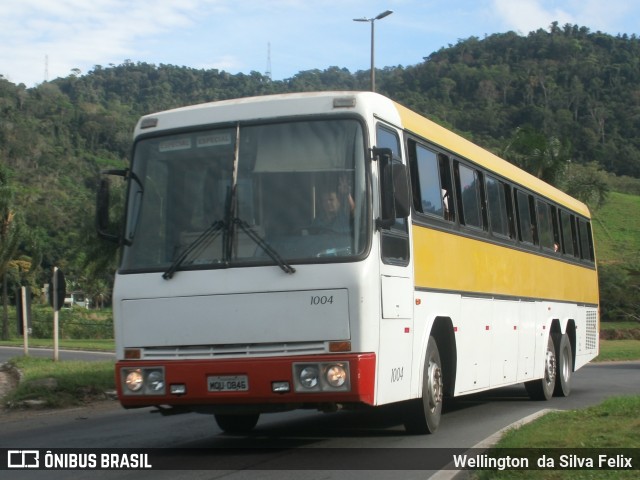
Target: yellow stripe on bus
446,261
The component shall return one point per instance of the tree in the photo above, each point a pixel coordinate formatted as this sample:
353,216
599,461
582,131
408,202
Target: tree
9,240
540,155
619,292
588,183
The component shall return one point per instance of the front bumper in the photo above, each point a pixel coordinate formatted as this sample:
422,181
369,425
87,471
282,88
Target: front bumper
262,374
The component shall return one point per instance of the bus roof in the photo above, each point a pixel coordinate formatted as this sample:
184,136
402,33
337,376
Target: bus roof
310,103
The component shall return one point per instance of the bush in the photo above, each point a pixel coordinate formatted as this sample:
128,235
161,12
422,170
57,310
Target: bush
619,293
74,323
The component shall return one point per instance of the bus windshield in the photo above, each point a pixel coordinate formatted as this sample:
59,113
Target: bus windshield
233,196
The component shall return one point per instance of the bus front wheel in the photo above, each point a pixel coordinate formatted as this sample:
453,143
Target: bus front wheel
237,424
542,389
423,414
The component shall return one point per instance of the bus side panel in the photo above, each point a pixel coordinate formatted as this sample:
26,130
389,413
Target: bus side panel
396,340
473,339
429,306
528,332
587,335
505,350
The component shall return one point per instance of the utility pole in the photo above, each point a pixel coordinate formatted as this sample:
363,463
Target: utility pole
268,72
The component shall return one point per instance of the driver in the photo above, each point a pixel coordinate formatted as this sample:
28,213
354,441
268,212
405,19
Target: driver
334,216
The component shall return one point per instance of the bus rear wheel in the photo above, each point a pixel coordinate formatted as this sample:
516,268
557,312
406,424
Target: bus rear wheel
542,389
423,414
237,424
564,357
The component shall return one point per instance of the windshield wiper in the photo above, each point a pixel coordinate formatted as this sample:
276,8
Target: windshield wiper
262,243
204,239
212,232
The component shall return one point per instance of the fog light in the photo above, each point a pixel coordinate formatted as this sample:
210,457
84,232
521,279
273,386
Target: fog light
336,375
178,389
280,387
309,377
134,380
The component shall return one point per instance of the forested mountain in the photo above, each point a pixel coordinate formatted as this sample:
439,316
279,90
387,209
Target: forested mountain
580,87
555,96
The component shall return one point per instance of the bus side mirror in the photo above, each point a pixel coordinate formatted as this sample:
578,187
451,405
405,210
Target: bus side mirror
394,189
103,225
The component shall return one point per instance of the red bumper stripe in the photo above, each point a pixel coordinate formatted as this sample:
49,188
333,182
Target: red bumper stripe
261,373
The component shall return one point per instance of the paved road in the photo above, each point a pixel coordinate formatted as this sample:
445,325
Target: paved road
466,422
9,352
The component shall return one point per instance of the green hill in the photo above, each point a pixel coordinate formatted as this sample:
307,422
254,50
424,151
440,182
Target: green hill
616,228
554,97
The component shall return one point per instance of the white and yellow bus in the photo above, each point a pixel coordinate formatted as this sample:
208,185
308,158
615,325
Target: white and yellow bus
335,249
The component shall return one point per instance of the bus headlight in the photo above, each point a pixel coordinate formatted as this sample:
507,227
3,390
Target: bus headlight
134,380
309,377
336,375
143,381
155,381
321,377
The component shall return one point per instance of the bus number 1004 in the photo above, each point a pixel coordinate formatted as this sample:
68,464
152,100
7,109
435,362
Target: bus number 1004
321,300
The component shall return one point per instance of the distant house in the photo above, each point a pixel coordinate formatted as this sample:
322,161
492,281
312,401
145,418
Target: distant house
76,298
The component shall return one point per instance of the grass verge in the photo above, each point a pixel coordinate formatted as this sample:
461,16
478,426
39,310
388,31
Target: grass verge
60,384
618,350
612,424
96,345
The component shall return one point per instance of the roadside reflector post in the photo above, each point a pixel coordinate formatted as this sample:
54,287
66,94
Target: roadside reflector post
56,307
56,299
25,319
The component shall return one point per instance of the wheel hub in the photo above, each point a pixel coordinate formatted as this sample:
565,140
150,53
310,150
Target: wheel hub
434,385
550,368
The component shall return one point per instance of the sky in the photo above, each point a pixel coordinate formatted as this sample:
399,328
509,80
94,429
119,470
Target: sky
42,40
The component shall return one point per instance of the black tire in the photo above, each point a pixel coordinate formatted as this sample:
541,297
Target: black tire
564,356
237,424
423,414
542,389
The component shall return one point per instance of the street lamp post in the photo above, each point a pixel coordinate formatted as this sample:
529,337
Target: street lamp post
380,16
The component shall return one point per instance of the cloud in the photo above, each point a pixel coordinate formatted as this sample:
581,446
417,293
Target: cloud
233,35
525,16
80,33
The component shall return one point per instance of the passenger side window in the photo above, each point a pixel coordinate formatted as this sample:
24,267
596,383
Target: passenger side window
447,188
526,228
428,196
499,204
586,245
566,229
545,228
469,192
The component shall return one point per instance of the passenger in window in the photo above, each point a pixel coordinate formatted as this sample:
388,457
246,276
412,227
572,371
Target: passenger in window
445,203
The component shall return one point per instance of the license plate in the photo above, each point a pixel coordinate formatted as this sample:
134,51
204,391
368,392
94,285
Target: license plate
228,383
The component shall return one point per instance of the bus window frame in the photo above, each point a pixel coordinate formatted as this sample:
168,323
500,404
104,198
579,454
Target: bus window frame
478,195
398,233
511,190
